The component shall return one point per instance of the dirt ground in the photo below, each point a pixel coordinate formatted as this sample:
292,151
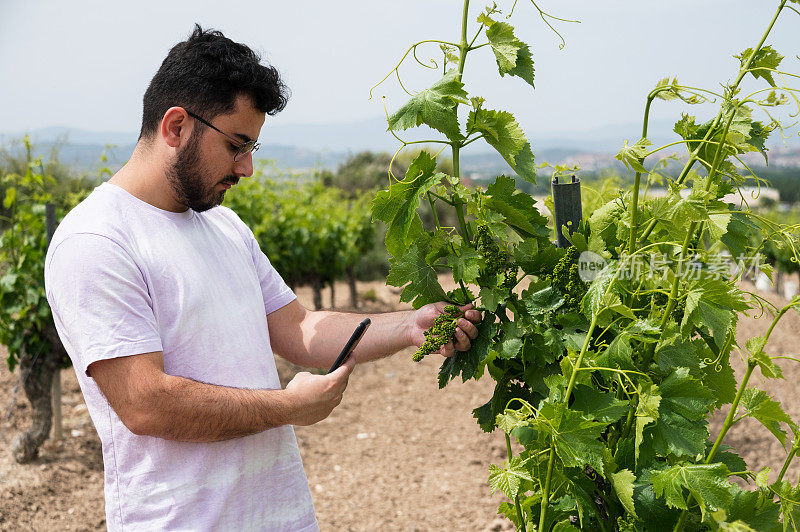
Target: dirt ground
398,453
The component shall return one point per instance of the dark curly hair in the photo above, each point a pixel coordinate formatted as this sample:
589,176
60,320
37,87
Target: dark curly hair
205,74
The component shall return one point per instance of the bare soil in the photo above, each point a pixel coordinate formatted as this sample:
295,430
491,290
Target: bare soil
398,453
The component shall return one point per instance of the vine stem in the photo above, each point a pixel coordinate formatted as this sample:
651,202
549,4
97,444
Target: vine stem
637,180
516,496
730,419
552,459
462,57
788,460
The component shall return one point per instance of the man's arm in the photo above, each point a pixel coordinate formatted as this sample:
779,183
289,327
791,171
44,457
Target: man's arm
313,339
149,402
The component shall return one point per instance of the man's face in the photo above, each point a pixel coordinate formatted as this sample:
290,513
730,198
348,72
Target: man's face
203,168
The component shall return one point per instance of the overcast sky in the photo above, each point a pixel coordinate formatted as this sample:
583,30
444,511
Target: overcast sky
85,64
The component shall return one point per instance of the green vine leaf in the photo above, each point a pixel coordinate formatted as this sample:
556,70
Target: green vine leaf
575,438
707,483
518,208
513,56
764,61
508,479
435,107
632,156
502,132
398,205
503,480
419,279
685,395
769,413
768,368
598,405
646,412
623,486
467,363
789,499
671,90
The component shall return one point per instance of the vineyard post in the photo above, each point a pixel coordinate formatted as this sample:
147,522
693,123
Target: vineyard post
50,218
567,208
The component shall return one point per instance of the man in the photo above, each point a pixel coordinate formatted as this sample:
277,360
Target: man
170,313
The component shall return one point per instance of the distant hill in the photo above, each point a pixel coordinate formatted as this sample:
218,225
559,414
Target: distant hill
326,145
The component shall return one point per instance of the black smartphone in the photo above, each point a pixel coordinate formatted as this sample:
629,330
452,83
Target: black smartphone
351,344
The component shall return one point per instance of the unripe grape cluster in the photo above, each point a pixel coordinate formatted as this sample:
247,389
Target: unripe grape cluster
566,278
443,329
497,259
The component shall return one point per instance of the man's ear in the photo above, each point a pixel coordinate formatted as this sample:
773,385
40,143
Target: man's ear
175,126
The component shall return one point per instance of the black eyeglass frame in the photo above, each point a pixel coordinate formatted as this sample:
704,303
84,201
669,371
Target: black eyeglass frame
250,146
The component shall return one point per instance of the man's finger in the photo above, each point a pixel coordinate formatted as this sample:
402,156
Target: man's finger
473,315
468,327
344,371
462,341
448,349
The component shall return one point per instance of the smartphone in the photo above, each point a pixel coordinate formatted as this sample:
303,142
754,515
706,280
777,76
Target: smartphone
351,344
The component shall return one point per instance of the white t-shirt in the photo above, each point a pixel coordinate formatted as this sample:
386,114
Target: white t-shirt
123,278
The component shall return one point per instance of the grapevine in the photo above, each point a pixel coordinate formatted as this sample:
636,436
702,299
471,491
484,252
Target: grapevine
606,385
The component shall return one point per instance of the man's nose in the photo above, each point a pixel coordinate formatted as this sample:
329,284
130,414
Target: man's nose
244,166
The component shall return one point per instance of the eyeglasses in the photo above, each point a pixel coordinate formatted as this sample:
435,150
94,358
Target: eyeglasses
251,146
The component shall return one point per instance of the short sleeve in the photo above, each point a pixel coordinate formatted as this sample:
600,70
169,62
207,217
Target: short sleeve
275,291
100,300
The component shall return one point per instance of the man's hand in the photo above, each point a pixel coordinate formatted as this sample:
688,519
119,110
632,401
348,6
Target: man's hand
422,319
317,395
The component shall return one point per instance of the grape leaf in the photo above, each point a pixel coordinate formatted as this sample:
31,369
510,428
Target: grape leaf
511,343
632,156
618,354
499,129
788,497
646,412
513,56
510,420
598,405
524,68
675,351
671,90
623,486
759,512
525,164
518,208
764,61
576,439
398,205
760,405
419,279
503,480
707,483
685,395
501,38
768,368
719,378
676,435
738,237
466,265
601,292
502,132
466,363
435,107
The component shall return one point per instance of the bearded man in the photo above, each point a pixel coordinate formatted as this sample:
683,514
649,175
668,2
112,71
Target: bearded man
171,314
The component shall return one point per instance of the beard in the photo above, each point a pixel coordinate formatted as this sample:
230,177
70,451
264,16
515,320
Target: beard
191,186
